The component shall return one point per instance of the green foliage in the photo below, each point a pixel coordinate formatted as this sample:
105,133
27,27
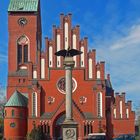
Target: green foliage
137,138
1,125
36,134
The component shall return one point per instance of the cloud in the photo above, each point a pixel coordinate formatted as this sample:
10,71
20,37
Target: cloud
122,57
131,40
132,87
3,58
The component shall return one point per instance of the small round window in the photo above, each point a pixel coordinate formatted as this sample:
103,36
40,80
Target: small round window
61,85
12,124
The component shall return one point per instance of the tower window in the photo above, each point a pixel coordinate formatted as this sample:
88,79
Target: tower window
26,53
19,54
22,50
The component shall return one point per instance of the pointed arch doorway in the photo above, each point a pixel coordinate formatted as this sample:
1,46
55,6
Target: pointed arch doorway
57,126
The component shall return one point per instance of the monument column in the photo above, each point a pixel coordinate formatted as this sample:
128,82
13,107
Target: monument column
69,126
68,64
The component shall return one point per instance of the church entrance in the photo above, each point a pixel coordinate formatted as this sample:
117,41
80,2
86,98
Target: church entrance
57,127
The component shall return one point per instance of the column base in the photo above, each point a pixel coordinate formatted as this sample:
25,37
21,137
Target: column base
69,130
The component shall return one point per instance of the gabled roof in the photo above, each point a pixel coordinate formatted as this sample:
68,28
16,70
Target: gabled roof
17,99
23,6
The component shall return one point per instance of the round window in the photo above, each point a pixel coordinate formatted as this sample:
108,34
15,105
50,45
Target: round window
12,124
61,85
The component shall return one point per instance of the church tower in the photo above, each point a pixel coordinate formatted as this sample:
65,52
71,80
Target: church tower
24,52
24,26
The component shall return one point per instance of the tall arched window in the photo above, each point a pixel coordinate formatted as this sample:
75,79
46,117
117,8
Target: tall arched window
98,74
34,104
22,50
90,72
82,57
66,35
74,47
121,115
99,104
50,56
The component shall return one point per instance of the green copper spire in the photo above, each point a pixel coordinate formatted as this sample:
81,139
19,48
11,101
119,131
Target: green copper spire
23,6
17,99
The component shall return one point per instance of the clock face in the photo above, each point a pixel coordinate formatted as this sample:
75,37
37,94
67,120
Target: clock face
22,21
61,85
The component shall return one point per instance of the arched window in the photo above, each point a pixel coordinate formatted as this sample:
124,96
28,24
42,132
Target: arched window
34,74
34,104
50,56
99,105
121,115
82,57
115,113
22,50
98,74
58,49
66,35
127,113
74,47
90,72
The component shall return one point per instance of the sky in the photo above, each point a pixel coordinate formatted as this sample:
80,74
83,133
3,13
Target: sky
112,28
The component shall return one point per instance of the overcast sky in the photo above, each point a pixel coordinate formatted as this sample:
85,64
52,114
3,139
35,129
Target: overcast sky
112,28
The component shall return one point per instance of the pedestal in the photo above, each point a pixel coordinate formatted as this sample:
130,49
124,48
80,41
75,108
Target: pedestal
69,130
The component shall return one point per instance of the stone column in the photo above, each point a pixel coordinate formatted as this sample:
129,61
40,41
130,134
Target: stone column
68,64
69,126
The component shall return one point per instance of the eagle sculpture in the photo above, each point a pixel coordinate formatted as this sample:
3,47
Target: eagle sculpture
68,53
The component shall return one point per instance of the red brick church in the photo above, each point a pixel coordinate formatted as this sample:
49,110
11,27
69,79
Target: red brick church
36,81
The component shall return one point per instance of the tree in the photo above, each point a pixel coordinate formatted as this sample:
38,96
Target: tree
36,134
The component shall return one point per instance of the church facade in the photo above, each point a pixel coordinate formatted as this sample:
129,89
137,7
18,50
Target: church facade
36,81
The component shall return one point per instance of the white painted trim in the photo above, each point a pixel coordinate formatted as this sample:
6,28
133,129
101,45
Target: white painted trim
121,109
23,67
90,69
34,74
42,68
82,57
58,49
98,74
50,56
127,113
66,35
74,47
115,115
